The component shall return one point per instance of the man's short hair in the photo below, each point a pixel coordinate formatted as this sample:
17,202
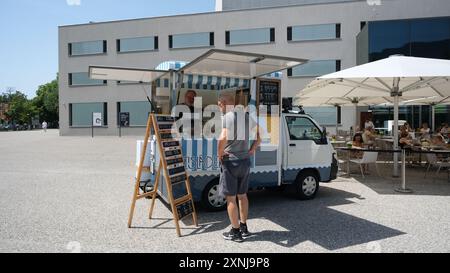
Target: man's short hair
227,98
191,91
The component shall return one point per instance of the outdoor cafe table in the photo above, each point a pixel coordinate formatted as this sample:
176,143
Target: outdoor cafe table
403,188
349,150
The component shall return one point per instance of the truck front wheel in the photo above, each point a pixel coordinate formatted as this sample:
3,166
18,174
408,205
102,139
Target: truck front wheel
211,200
306,185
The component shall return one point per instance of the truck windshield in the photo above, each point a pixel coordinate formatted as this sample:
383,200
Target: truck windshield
302,128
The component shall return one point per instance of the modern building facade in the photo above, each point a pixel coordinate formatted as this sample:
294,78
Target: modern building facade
331,34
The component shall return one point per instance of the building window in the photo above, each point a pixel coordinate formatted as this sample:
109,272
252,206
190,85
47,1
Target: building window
315,68
191,40
80,114
137,44
88,48
250,36
427,38
139,111
314,32
82,79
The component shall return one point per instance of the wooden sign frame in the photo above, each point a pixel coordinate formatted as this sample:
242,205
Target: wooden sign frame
181,207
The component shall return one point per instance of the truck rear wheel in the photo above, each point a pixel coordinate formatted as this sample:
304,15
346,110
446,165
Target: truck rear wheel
306,185
211,200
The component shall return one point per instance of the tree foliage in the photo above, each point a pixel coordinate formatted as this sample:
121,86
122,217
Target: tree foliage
45,105
46,102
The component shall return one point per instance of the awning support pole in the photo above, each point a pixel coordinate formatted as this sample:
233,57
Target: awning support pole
433,118
395,94
337,120
403,188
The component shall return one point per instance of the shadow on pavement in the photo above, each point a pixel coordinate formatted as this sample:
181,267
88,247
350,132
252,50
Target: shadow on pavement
314,221
434,185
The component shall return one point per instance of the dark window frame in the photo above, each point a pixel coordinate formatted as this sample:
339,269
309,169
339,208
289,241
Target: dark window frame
104,49
210,44
105,82
337,68
155,45
272,37
338,33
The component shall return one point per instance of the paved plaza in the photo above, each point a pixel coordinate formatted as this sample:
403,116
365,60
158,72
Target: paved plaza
72,194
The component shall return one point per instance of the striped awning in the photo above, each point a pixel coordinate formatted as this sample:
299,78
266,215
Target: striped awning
204,82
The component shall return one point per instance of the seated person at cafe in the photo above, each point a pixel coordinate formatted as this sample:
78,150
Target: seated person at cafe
444,129
405,138
358,143
408,127
425,131
438,140
368,123
369,136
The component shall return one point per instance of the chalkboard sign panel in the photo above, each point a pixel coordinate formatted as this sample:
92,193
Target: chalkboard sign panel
166,136
177,171
173,153
174,161
124,118
185,209
178,179
269,93
165,119
171,144
165,126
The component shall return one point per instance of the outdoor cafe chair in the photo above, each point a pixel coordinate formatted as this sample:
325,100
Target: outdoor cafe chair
433,161
368,158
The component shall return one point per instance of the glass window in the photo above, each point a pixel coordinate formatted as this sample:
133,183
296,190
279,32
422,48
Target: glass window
137,44
250,36
87,48
80,114
301,128
388,38
323,115
82,78
315,68
314,32
139,111
203,39
430,38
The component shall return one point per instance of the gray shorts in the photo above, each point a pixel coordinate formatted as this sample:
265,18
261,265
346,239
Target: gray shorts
234,177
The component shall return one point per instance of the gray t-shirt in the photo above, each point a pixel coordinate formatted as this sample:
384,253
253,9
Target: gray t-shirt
240,127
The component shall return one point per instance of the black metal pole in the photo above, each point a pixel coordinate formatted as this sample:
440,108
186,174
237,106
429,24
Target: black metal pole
92,124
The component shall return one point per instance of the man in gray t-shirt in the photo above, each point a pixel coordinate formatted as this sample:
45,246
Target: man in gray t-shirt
234,152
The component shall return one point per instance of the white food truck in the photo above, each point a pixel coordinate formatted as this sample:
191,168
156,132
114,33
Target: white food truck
294,151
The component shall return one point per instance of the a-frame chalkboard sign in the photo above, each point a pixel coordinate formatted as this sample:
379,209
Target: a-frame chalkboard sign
175,175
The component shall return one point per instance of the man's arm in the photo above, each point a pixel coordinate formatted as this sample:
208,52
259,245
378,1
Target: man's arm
222,144
256,143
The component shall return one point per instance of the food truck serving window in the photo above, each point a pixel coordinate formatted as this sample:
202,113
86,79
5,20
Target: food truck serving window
302,128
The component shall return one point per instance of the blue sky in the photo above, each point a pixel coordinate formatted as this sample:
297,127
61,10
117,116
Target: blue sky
29,31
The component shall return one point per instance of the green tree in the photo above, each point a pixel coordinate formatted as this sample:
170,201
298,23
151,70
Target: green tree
21,110
46,102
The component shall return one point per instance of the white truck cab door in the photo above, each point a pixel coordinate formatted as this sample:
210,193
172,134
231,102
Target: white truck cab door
306,147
